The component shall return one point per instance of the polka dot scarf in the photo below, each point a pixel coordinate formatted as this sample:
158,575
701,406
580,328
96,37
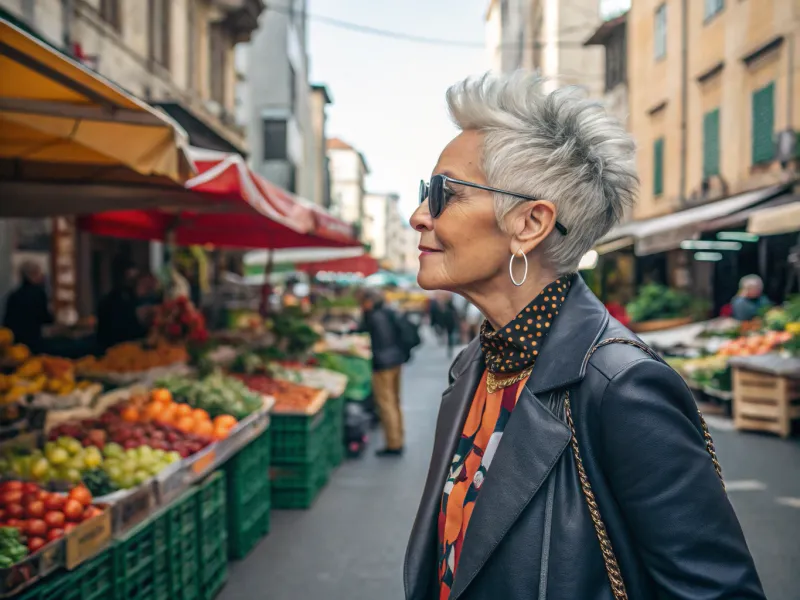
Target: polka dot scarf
516,346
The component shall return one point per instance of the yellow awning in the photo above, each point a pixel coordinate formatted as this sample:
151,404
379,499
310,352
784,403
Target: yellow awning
60,121
772,221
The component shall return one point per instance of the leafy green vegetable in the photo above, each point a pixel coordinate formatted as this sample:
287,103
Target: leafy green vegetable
217,394
660,302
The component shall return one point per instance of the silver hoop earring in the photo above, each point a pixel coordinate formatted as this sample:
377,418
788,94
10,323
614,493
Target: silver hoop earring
511,268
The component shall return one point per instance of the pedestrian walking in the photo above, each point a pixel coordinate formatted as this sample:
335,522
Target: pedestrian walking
448,321
388,356
569,461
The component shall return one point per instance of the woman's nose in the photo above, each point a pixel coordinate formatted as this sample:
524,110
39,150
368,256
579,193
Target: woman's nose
421,219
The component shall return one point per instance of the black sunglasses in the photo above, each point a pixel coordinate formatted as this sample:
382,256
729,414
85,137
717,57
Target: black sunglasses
438,195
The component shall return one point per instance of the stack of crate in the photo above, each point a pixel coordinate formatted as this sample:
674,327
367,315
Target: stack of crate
335,424
300,462
248,495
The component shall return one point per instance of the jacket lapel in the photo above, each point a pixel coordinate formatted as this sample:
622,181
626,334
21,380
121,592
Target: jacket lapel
421,560
532,442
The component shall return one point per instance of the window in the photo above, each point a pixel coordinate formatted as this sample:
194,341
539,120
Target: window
159,25
711,143
660,33
217,64
110,13
713,7
764,124
615,62
658,167
274,139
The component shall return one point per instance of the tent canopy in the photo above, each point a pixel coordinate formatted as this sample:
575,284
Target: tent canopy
63,125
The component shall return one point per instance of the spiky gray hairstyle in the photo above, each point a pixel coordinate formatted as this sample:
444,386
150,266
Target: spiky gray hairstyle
559,147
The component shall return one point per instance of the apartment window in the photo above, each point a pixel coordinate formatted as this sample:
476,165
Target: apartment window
159,24
658,167
110,13
764,124
711,143
713,7
218,56
274,131
660,33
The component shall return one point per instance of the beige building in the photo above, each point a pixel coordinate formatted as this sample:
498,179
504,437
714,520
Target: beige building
319,100
348,171
711,92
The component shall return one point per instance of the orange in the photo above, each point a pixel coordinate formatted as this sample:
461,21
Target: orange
221,432
162,396
183,410
185,424
225,421
153,411
200,415
167,414
130,414
204,428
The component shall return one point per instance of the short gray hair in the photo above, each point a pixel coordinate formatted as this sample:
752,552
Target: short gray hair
559,147
753,281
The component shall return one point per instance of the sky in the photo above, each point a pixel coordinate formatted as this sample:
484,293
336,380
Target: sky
388,94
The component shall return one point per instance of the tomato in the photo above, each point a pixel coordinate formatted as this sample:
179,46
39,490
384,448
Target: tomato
54,502
14,523
91,511
11,497
35,509
15,511
11,486
69,527
35,543
2,514
36,528
30,488
82,494
54,534
54,519
73,510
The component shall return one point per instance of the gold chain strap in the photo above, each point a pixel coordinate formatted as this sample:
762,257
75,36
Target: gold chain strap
609,558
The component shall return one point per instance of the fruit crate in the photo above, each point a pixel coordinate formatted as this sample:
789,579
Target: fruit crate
183,549
212,532
248,495
141,569
301,496
335,424
301,475
298,438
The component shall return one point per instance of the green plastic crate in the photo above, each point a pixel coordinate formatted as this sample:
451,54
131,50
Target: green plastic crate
183,546
212,534
297,439
141,569
96,577
299,497
300,475
249,527
335,424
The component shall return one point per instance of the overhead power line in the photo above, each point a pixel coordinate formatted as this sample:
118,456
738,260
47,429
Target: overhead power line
407,37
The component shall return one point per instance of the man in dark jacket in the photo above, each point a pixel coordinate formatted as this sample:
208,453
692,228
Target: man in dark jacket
26,308
117,314
388,356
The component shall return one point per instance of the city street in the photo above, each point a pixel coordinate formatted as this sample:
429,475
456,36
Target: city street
350,544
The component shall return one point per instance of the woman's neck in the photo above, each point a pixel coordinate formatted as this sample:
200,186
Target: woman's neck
500,300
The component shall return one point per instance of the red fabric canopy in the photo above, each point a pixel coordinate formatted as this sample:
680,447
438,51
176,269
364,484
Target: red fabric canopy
235,208
364,264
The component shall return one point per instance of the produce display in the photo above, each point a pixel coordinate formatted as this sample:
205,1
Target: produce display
756,344
9,351
38,516
218,395
289,397
294,335
660,302
38,375
128,468
63,458
179,321
131,357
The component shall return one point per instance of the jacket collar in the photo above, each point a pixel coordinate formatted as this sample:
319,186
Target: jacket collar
532,443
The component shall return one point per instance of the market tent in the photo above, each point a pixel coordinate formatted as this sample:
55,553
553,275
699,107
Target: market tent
72,141
364,265
776,220
233,207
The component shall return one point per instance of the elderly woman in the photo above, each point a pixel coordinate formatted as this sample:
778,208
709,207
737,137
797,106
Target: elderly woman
569,462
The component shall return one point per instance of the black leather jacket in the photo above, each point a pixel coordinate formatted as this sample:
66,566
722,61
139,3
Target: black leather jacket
531,536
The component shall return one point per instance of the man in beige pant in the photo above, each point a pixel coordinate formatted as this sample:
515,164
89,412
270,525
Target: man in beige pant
388,356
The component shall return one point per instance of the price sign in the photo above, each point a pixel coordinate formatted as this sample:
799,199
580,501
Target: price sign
88,538
204,463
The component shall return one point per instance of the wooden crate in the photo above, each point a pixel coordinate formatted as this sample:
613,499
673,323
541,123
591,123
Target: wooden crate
765,402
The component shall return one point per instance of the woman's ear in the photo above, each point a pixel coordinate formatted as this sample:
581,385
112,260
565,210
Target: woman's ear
530,224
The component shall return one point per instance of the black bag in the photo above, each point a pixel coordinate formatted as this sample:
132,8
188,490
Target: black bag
407,333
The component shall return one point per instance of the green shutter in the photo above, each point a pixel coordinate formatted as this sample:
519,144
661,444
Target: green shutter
711,143
658,167
764,124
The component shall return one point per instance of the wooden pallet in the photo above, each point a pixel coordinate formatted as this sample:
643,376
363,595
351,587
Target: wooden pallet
765,402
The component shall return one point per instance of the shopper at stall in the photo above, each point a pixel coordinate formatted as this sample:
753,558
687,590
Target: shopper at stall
26,308
569,461
750,302
117,315
388,356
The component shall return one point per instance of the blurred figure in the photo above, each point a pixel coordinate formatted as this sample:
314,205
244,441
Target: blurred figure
148,297
750,301
117,314
26,308
448,321
388,356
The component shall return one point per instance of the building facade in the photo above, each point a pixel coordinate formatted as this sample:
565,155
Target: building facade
348,171
375,230
319,101
714,90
